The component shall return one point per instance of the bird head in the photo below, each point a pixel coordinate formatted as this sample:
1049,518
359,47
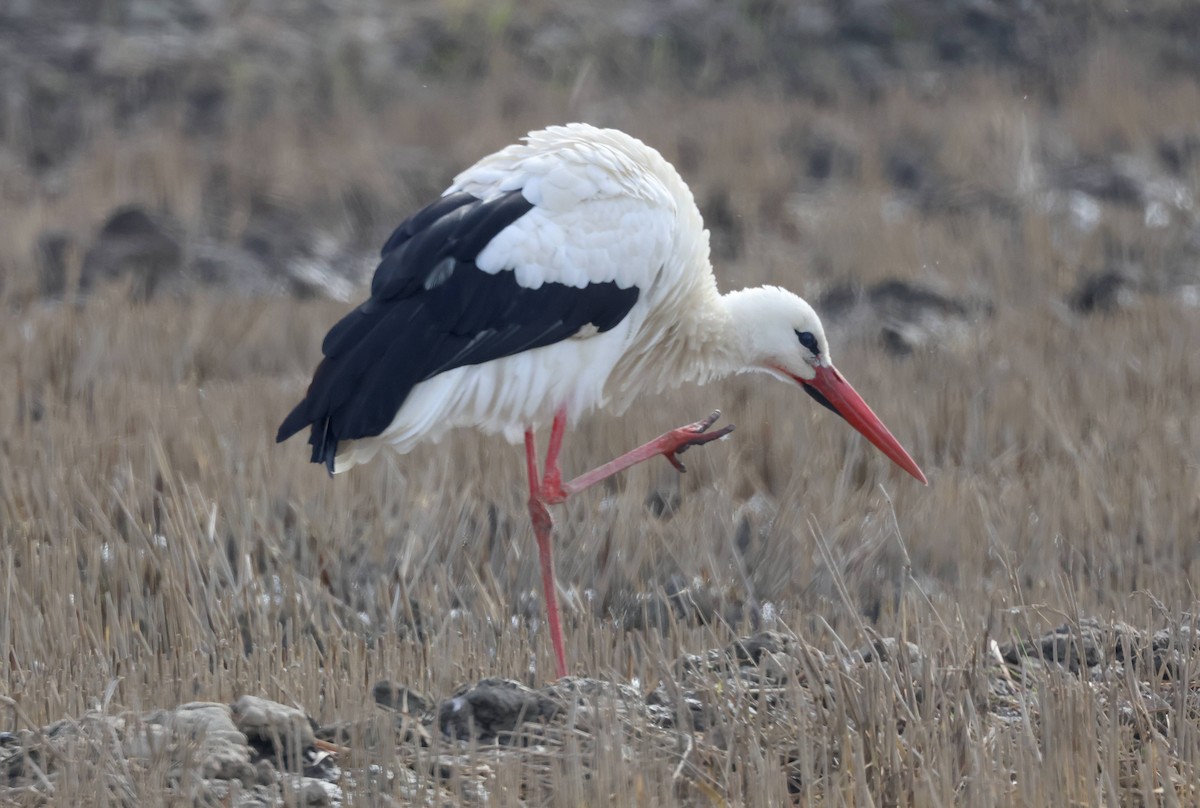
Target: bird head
783,336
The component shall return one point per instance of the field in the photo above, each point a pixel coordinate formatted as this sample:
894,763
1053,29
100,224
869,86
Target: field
1010,272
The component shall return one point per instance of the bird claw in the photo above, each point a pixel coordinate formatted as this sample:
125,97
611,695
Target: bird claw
696,434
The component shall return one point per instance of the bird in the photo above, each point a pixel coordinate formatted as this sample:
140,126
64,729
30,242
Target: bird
566,273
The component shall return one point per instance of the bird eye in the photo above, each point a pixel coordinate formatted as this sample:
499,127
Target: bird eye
808,340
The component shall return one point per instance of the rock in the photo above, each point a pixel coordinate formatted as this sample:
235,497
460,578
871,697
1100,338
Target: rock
1169,652
664,501
222,752
494,710
230,269
400,698
1179,151
1077,650
754,520
694,602
590,704
309,791
752,649
907,165
904,316
1104,291
260,796
827,154
280,732
134,246
643,610
889,649
273,233
1106,180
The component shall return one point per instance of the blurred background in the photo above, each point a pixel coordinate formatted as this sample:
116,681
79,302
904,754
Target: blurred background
268,147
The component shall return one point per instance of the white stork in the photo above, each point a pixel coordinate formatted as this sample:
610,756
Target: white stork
556,276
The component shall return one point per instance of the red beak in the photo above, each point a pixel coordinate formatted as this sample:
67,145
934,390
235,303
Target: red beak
831,389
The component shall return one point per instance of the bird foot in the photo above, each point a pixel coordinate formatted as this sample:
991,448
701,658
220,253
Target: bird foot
678,441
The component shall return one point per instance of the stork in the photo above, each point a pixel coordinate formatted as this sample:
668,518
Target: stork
557,276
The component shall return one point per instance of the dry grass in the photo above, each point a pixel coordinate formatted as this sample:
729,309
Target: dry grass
157,547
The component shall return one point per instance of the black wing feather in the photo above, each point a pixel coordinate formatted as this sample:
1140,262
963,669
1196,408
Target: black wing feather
431,310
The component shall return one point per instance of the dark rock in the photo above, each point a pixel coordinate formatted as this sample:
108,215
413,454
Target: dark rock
1169,651
663,502
206,104
754,520
1108,181
752,649
909,301
1104,291
825,155
695,602
888,649
1076,648
1159,656
494,710
400,698
644,610
274,234
1179,152
907,164
134,246
904,316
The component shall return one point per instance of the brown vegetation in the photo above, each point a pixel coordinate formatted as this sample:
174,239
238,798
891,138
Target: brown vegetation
157,548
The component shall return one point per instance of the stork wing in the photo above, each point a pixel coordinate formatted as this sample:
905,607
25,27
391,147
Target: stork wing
464,281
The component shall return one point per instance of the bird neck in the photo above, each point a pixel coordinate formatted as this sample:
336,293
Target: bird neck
696,337
734,349
715,343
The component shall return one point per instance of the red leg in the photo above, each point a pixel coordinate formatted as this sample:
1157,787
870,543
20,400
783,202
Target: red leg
552,487
551,490
542,528
669,445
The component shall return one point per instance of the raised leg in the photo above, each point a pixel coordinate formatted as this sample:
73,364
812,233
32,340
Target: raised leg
551,490
669,444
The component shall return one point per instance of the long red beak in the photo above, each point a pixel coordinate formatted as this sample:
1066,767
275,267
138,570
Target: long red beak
831,389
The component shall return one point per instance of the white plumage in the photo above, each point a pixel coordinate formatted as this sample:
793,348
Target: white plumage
556,276
606,208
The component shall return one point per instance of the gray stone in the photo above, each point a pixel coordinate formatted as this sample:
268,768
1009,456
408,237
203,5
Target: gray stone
135,247
274,728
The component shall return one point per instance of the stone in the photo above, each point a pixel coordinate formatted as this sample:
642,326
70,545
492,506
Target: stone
275,729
